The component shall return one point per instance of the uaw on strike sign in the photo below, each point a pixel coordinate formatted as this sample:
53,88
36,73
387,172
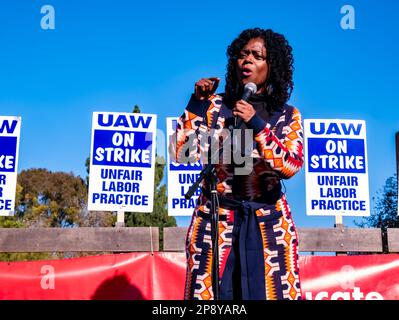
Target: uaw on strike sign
180,178
10,128
336,168
122,162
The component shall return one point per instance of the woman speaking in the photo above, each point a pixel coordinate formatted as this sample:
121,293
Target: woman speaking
256,234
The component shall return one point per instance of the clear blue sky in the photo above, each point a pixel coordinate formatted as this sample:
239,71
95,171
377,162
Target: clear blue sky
110,55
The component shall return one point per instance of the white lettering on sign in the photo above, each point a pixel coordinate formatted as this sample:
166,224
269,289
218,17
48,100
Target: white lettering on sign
127,139
6,162
123,155
337,162
339,146
356,294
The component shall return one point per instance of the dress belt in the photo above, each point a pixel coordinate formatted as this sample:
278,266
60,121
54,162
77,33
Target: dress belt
246,231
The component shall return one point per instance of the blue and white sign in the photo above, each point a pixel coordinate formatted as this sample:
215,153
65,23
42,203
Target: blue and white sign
10,128
336,168
122,162
180,178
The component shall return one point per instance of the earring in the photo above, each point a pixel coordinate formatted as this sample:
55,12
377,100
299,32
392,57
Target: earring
269,89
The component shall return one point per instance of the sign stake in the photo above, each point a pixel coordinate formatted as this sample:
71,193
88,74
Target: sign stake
120,219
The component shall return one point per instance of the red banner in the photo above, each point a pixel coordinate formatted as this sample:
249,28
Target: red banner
143,276
364,277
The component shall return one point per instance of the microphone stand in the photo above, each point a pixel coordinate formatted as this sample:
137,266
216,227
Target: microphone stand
208,173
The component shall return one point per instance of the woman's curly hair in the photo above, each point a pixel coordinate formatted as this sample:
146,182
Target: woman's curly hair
280,64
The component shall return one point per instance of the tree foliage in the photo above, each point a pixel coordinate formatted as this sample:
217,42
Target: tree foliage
50,199
385,211
15,222
56,199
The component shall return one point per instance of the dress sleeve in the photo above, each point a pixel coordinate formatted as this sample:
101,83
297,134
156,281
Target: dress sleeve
184,146
284,153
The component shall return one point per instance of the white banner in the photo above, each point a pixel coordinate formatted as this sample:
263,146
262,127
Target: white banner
336,168
122,162
180,178
10,128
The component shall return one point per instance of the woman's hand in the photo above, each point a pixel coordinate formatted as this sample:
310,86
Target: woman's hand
244,110
205,87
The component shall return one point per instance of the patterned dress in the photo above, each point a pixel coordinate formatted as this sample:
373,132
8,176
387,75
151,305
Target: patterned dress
257,236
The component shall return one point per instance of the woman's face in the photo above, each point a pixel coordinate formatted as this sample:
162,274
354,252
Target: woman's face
251,64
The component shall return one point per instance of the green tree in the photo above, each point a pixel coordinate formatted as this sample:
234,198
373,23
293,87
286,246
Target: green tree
136,109
15,222
385,211
50,199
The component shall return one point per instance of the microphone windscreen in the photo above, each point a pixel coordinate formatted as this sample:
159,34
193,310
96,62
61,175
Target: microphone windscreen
249,89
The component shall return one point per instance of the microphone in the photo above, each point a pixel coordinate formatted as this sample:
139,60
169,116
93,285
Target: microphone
249,89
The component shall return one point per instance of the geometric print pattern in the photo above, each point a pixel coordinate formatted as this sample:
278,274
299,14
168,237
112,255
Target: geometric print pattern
278,149
280,245
199,252
283,155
